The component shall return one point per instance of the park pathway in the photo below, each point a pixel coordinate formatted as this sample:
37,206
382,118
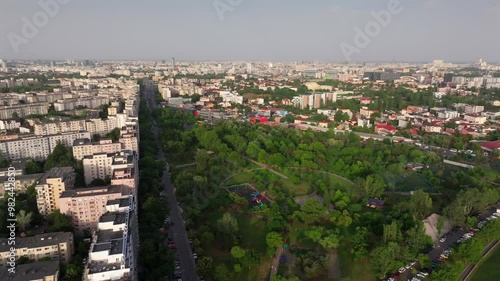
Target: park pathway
276,263
267,167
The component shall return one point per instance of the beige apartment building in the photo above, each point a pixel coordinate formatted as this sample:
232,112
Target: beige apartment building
58,246
86,205
51,186
84,147
39,271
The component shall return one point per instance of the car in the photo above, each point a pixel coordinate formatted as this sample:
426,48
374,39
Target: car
396,275
401,269
453,150
413,263
444,256
424,273
390,279
442,239
408,266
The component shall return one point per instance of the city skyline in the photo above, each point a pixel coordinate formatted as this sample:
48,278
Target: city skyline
225,30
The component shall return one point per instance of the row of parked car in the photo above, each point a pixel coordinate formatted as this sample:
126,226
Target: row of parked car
422,274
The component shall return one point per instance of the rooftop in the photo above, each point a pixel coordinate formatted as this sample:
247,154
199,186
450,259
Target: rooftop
58,172
115,217
97,267
37,241
91,191
122,202
30,271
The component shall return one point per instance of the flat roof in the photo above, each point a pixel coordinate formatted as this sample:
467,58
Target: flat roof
30,271
91,191
37,241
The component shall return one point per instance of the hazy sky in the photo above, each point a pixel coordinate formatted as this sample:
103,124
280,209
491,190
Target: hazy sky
452,30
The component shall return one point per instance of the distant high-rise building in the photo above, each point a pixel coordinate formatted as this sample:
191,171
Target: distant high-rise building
249,68
173,62
3,65
448,77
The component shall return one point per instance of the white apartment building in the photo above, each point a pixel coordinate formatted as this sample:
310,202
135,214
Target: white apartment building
57,246
113,249
51,186
448,114
231,97
37,148
475,118
6,112
88,102
93,126
84,147
9,124
101,165
469,109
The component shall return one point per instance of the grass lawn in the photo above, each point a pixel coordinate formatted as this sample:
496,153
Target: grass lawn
488,270
357,270
299,189
297,238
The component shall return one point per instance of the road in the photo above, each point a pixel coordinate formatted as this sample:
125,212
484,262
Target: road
177,228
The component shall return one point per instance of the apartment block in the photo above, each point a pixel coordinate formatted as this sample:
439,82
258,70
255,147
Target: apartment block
469,109
93,126
101,165
84,147
6,112
58,246
21,183
39,271
36,147
51,186
87,102
86,205
127,179
129,141
113,248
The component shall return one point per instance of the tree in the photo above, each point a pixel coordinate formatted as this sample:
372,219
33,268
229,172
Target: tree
420,204
315,233
374,186
228,226
472,251
237,252
114,135
61,156
221,272
383,259
359,242
339,116
274,240
237,267
72,272
33,167
329,242
24,219
205,266
59,222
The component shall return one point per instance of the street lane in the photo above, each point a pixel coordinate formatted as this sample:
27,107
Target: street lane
177,229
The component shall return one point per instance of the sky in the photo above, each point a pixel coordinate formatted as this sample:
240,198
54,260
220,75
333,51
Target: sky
251,30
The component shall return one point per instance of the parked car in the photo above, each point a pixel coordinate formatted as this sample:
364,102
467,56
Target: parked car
442,239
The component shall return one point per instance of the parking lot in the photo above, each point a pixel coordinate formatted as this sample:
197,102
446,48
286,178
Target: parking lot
443,248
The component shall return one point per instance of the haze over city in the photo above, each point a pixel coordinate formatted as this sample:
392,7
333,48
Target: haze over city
457,31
